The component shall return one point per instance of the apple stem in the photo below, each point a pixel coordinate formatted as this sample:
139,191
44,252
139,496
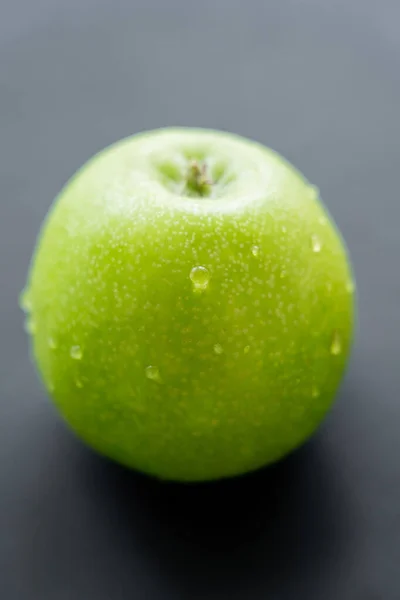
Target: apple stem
197,181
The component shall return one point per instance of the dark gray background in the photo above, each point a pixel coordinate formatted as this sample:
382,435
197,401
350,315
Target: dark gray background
318,81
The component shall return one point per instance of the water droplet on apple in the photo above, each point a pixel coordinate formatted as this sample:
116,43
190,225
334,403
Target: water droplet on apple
246,349
153,373
316,244
315,391
200,277
313,192
218,349
76,352
51,387
322,220
30,325
52,343
78,383
25,301
283,229
336,344
350,287
255,250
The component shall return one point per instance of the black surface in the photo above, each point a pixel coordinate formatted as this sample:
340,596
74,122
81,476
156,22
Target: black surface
320,82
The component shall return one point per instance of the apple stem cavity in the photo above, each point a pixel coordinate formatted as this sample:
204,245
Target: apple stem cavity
198,182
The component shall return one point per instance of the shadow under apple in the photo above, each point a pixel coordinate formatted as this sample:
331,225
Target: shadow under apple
277,525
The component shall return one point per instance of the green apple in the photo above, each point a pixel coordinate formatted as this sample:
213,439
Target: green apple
191,304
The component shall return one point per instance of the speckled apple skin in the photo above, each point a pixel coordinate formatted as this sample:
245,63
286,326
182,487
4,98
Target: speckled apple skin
185,373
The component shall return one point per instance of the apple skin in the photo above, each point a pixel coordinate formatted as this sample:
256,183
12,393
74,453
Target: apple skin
190,337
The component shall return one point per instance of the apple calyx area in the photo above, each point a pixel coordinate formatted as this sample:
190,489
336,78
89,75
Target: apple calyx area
198,182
